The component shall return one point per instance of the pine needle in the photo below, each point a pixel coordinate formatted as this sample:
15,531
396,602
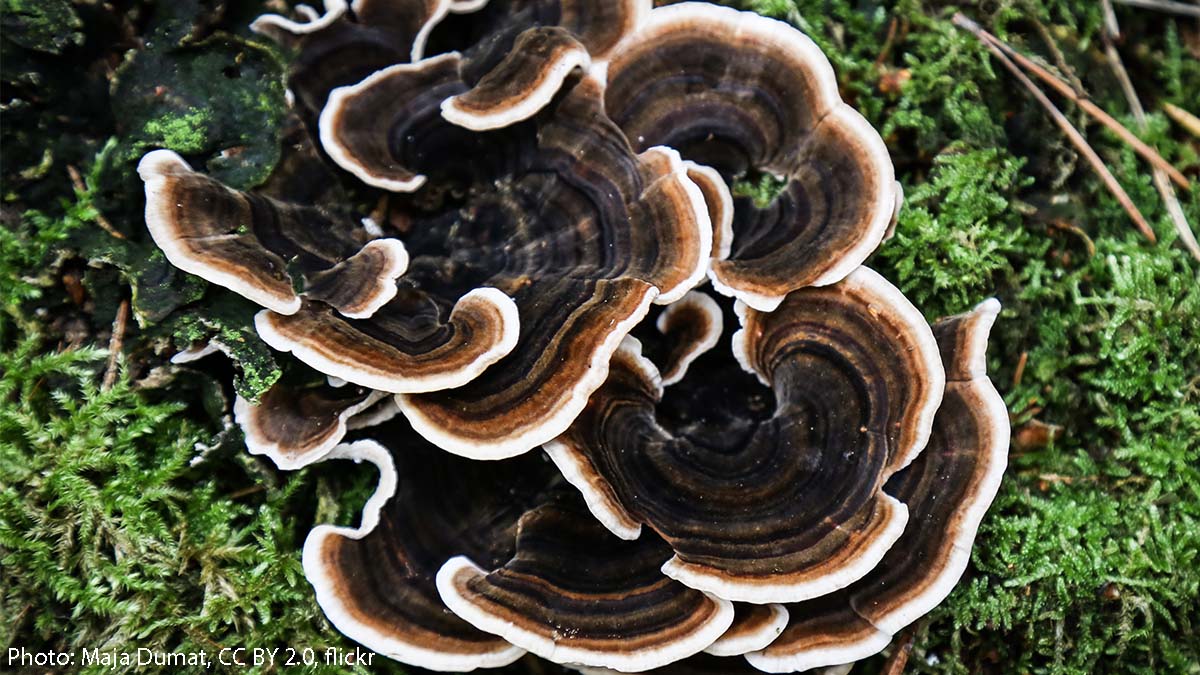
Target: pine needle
1183,118
1063,124
1174,209
1168,6
1145,151
901,650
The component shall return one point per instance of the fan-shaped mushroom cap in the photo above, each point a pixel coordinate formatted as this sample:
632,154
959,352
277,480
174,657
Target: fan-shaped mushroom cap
466,6
821,632
523,83
406,346
403,18
948,488
559,251
769,505
599,25
834,212
532,396
707,664
613,232
754,627
765,85
738,91
689,327
297,426
376,583
573,593
398,105
250,244
245,243
720,206
287,31
879,335
342,47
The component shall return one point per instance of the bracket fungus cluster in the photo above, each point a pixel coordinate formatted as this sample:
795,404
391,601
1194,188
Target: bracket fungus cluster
584,453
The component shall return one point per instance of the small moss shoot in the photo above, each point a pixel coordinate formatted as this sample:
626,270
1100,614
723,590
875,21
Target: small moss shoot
761,187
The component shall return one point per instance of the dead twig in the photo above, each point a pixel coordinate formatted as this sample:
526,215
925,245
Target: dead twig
1063,124
898,659
1158,177
1019,372
1077,231
1183,118
887,43
1035,434
247,491
81,188
1110,19
1168,6
114,345
1060,61
1096,112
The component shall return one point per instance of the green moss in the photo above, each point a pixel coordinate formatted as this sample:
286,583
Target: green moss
186,133
118,532
763,188
959,231
1090,553
43,25
30,249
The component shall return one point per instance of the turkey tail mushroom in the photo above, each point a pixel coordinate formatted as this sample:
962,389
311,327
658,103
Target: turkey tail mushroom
377,582
775,503
573,593
740,92
948,488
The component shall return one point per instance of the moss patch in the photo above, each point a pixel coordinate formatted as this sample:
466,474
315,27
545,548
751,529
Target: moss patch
41,25
219,101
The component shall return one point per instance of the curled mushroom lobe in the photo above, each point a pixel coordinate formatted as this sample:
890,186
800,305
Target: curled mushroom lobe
583,454
948,488
782,501
745,94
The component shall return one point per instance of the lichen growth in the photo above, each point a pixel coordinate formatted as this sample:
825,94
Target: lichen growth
219,101
43,25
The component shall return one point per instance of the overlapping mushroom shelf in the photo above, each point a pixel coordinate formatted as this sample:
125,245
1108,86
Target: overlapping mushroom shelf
584,452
